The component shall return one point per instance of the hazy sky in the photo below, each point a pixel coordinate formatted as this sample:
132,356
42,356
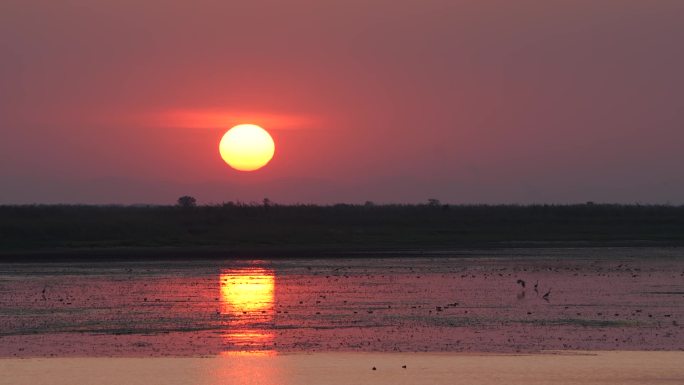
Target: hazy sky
125,101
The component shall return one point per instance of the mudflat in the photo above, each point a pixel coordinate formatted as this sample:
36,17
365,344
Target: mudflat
589,368
511,301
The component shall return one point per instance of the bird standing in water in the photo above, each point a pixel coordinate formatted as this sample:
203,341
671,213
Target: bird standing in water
521,295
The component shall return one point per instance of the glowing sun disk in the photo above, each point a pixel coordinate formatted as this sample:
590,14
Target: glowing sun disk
247,147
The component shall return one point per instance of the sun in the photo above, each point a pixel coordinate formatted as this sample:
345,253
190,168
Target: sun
247,147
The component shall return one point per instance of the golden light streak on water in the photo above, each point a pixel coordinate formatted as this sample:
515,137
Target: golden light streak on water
247,299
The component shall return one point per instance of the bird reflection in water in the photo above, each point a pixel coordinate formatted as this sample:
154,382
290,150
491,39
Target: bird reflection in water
247,301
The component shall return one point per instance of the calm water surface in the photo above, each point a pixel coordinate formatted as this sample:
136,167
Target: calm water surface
623,299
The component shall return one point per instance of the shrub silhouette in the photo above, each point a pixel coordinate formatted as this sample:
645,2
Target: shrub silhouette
187,201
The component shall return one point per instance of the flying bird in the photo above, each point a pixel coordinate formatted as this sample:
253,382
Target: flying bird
521,283
546,296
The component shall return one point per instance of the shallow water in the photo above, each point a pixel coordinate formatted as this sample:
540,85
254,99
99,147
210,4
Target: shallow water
570,368
605,299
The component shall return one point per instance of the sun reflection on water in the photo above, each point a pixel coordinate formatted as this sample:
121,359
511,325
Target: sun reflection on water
247,296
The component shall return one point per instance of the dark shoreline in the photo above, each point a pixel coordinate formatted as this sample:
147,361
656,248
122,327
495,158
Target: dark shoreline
292,253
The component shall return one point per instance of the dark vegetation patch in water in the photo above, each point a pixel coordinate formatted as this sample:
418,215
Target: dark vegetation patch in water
581,322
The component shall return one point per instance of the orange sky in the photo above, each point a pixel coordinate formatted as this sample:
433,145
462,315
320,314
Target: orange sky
392,101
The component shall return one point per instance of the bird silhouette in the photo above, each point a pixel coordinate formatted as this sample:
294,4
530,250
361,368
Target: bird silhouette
521,283
546,296
536,287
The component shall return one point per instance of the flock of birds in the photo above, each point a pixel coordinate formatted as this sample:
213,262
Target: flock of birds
330,285
522,284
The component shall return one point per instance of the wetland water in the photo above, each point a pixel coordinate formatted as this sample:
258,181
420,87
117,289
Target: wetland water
599,299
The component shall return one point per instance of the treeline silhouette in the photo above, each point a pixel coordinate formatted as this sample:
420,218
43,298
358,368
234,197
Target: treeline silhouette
270,226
